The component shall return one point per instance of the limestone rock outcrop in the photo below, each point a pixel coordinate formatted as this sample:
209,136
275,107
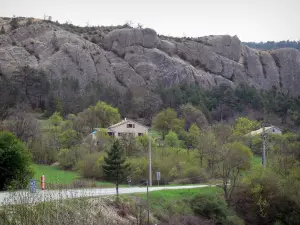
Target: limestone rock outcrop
139,58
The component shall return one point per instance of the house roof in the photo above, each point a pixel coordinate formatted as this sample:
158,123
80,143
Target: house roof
126,121
260,131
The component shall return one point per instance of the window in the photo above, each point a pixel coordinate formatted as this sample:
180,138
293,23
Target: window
130,125
111,134
119,134
140,134
273,130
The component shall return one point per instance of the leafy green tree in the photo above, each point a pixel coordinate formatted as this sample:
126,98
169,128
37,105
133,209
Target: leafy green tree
193,136
115,166
68,138
56,119
208,147
15,162
143,141
68,158
107,114
243,126
166,120
172,139
235,158
163,121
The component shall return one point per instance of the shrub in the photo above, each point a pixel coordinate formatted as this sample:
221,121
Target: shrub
89,168
210,206
68,158
15,161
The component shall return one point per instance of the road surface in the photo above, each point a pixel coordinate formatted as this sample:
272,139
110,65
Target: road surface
25,197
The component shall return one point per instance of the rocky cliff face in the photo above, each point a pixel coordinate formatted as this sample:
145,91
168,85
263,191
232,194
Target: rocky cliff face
139,58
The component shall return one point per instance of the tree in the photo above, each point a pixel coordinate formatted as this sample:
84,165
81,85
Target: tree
236,158
24,126
172,139
243,126
163,121
15,162
129,144
55,119
208,147
193,115
193,136
68,138
114,166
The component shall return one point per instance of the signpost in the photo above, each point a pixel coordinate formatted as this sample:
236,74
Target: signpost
32,186
158,177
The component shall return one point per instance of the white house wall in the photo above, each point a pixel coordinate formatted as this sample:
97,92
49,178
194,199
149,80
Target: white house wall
123,129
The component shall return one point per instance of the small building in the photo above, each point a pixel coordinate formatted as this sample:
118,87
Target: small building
127,126
268,130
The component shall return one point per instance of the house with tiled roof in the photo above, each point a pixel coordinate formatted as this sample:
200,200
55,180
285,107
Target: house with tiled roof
126,126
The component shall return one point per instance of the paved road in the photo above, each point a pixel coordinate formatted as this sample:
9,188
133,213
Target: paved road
25,197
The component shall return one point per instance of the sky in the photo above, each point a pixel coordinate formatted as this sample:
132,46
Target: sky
250,20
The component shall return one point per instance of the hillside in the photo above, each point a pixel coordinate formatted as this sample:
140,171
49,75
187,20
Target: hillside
131,57
61,67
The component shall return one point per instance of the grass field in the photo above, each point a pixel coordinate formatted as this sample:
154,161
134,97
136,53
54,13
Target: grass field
176,201
54,175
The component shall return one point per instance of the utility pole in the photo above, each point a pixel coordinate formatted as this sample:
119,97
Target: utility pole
264,158
148,207
150,161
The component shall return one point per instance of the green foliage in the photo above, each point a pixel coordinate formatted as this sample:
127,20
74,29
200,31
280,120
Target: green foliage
68,138
54,175
55,119
108,115
90,166
210,206
172,139
15,162
243,126
114,166
164,121
193,136
143,142
68,158
270,45
265,198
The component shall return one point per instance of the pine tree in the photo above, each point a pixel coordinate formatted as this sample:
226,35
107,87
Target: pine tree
114,166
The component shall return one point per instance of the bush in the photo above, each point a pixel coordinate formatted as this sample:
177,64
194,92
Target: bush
15,161
68,158
91,166
210,206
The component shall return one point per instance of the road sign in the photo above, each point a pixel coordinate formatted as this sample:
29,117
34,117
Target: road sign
32,186
157,175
